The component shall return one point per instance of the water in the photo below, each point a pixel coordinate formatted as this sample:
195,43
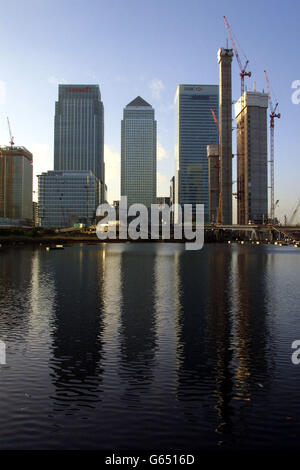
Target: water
148,346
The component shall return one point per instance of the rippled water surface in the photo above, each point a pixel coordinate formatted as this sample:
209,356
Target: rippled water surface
148,346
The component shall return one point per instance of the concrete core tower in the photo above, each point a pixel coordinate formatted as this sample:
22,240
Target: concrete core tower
225,96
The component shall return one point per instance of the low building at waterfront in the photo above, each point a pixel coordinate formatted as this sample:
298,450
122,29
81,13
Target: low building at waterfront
67,198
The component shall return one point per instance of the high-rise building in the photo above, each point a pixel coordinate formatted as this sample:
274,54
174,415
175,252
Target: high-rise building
225,96
79,131
15,185
195,129
213,181
138,153
252,163
68,197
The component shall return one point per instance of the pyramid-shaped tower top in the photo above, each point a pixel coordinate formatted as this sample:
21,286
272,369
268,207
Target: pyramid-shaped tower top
138,101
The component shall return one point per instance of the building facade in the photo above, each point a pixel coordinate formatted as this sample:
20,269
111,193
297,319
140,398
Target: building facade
194,130
79,131
138,153
225,96
252,161
214,201
67,198
16,185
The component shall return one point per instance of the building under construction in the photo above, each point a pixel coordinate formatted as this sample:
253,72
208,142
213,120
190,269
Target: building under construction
213,181
225,135
15,186
252,160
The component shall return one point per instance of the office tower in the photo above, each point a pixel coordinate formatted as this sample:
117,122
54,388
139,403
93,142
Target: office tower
225,101
138,153
79,131
16,185
194,130
67,198
213,181
252,164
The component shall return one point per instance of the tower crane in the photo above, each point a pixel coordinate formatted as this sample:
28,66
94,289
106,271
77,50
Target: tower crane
216,121
243,72
10,198
273,115
294,213
12,143
219,211
242,194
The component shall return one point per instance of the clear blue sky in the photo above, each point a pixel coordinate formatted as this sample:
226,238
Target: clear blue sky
143,48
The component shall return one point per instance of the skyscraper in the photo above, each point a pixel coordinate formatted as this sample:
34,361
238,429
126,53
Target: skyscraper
224,59
194,130
79,130
138,153
252,164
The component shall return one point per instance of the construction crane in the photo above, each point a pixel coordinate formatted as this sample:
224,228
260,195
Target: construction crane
294,213
243,72
10,197
12,143
219,211
241,163
273,115
216,121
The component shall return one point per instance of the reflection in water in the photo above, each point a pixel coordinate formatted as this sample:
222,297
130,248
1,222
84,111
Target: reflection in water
166,308
77,328
251,327
15,279
142,346
220,325
138,340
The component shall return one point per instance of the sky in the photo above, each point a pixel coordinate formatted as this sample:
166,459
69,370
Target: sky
133,48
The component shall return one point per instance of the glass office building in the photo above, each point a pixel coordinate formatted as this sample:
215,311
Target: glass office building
79,131
194,130
67,198
138,153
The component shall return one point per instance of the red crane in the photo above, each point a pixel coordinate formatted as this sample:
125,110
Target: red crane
273,115
243,72
216,120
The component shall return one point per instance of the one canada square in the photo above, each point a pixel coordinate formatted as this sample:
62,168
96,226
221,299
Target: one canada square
138,153
79,130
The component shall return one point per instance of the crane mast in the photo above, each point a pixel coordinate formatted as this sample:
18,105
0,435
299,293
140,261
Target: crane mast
273,115
12,143
243,72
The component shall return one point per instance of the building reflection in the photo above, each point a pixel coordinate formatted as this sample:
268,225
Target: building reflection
15,291
167,311
223,334
220,328
251,328
77,329
138,339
